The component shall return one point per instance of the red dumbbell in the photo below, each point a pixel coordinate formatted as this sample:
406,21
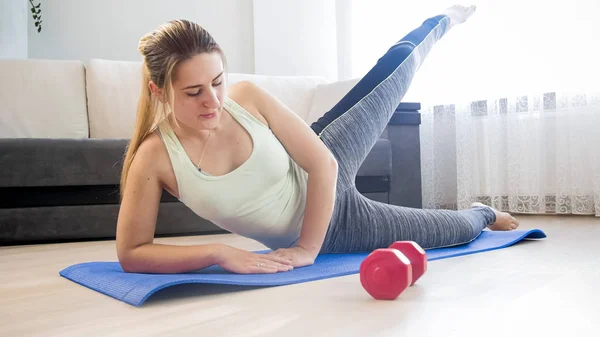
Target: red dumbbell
416,255
387,272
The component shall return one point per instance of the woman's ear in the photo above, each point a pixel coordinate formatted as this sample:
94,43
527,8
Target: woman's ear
156,91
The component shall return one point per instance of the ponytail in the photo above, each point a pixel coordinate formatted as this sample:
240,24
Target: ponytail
146,117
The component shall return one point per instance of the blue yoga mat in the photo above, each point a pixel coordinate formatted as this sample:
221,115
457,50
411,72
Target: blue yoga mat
108,278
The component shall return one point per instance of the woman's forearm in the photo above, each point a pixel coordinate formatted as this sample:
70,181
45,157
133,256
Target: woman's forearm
320,199
168,259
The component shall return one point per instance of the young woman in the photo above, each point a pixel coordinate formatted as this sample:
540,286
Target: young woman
241,159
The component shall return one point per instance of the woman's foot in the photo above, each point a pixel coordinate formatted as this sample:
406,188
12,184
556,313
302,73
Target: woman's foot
459,14
504,221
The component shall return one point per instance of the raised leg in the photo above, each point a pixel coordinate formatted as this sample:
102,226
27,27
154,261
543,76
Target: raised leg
351,127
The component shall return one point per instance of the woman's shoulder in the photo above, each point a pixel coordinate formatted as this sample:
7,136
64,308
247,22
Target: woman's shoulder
152,155
247,95
150,143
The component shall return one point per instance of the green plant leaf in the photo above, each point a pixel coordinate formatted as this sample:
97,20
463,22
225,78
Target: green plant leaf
33,10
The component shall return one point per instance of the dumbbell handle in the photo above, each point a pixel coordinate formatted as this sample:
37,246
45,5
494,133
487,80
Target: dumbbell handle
416,255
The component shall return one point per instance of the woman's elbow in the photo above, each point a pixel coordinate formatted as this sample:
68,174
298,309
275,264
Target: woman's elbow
329,165
127,262
324,165
332,164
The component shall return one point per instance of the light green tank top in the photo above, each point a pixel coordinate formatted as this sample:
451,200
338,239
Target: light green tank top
263,199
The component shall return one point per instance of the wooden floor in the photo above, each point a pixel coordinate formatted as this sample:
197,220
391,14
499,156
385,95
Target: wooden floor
531,289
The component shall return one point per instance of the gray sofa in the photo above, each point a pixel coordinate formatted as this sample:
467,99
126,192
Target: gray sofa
54,190
58,189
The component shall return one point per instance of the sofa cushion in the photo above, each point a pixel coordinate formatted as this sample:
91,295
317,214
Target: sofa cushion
326,96
113,88
60,162
296,92
43,99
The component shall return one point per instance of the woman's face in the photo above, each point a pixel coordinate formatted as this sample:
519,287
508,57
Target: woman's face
199,89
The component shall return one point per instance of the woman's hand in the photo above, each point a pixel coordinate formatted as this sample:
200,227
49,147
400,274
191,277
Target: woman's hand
244,262
298,256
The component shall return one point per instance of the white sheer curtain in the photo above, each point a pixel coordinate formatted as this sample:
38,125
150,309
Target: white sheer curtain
511,110
537,153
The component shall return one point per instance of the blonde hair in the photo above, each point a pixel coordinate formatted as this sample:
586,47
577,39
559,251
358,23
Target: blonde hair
162,50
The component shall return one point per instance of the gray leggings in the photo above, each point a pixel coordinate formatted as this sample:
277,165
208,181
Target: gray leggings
350,130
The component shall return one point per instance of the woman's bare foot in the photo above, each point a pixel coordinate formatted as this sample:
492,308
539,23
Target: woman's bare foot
504,221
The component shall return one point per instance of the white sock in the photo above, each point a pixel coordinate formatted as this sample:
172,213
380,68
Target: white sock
459,14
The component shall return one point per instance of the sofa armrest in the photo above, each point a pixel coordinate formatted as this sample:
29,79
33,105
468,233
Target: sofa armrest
403,133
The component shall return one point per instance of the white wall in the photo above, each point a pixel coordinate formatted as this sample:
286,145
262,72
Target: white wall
344,39
13,29
296,37
111,29
270,37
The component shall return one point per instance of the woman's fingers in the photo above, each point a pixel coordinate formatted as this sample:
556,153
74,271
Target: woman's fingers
263,270
265,264
279,266
278,258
